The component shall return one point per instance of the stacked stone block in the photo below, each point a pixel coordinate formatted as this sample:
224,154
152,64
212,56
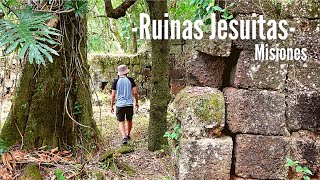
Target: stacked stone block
272,107
270,110
104,69
204,153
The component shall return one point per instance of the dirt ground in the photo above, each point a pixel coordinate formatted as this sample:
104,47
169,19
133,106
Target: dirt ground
148,165
143,163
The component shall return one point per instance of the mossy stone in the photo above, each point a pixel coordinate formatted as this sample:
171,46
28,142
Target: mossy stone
201,111
31,172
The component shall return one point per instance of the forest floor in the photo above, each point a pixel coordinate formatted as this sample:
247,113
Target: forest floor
146,164
54,164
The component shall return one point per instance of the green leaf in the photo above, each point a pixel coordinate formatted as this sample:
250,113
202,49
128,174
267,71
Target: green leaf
52,51
217,8
299,169
174,136
231,5
59,174
306,178
225,14
13,46
291,163
29,33
176,127
230,17
166,135
45,53
23,50
193,2
306,170
80,7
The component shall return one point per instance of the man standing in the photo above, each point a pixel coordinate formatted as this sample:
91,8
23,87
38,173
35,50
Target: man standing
123,90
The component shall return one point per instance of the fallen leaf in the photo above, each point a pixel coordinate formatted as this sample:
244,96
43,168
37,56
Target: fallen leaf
6,158
54,150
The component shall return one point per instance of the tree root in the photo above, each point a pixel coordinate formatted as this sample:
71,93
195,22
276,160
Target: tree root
110,161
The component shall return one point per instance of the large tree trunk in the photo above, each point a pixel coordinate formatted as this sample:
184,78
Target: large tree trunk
160,82
52,105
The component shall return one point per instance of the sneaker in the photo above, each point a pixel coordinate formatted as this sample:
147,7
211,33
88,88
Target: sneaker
128,137
125,140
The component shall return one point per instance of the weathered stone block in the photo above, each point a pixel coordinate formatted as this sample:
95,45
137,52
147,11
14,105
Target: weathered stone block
304,76
213,47
136,69
253,6
176,49
205,159
110,69
303,37
176,85
261,157
303,111
295,8
201,111
239,178
248,44
205,70
259,74
177,73
302,8
135,60
256,112
305,148
125,60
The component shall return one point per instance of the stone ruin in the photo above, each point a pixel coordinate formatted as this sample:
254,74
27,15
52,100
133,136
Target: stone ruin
243,118
104,70
253,114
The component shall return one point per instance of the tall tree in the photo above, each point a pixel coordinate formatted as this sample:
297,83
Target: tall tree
160,81
52,105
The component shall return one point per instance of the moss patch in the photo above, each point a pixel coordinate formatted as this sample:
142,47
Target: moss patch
31,172
209,108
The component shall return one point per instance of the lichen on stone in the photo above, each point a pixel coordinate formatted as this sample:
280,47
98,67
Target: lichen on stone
31,171
201,111
209,108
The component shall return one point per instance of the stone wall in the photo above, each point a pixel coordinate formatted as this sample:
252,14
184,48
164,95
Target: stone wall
9,71
103,68
242,118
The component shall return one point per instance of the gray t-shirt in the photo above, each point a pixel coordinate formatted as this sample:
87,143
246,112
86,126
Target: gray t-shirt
123,87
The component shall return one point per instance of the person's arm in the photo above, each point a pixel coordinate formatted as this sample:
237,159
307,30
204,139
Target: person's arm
113,98
113,95
136,96
134,92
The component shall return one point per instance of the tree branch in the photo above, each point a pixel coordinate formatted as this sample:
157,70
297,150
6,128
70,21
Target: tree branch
119,11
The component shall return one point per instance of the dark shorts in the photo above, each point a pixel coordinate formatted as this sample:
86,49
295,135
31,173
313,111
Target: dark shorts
124,113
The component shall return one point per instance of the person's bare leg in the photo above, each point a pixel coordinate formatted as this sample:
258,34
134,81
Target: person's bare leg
122,129
129,127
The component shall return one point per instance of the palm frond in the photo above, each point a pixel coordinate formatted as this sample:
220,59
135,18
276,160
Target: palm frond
31,35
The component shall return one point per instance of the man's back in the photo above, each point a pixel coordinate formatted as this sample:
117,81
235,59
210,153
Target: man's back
123,87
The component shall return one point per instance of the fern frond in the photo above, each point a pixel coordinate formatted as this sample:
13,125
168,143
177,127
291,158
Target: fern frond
31,34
